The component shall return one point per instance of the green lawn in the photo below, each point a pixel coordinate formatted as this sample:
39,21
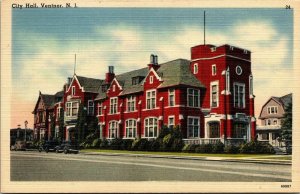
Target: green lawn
256,156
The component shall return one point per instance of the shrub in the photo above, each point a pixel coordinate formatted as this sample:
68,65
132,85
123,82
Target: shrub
218,147
104,144
204,148
143,145
190,148
256,147
96,143
177,145
155,145
126,144
167,142
116,144
231,149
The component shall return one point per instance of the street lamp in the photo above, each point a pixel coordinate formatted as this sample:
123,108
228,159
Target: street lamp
25,123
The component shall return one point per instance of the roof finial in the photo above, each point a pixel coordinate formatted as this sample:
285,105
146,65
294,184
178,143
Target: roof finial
204,27
75,65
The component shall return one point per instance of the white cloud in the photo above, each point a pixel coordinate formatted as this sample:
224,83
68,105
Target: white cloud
129,48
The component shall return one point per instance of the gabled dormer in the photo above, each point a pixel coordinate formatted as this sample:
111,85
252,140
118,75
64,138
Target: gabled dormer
115,88
152,80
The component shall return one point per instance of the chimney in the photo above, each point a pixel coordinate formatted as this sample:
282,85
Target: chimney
153,62
110,75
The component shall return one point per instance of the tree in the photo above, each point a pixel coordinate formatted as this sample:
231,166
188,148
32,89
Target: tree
61,121
52,126
81,123
286,127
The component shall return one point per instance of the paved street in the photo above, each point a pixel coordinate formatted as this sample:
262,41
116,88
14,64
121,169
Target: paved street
35,166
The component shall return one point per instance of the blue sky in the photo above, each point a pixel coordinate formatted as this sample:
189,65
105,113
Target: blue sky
45,41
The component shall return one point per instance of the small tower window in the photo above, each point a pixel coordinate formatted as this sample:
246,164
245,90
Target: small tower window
213,69
114,88
151,79
73,90
195,68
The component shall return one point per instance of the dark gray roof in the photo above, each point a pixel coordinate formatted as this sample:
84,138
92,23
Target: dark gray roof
59,94
286,100
48,99
173,73
90,84
178,72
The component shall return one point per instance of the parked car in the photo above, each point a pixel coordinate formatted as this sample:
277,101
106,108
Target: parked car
19,145
68,147
49,146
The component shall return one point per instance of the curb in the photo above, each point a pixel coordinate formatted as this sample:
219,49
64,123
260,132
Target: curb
257,161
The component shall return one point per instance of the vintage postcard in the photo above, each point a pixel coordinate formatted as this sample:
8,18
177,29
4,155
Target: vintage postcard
139,96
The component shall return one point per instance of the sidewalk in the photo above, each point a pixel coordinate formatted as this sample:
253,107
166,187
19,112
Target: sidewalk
207,158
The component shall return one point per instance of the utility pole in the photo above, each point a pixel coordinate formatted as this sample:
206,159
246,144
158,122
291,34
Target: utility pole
25,123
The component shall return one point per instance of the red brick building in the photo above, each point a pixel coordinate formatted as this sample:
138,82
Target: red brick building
210,97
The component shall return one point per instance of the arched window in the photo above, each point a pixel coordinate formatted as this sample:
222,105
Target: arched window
113,129
151,127
130,128
214,129
195,68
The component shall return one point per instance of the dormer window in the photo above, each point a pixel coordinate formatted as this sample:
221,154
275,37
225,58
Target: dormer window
104,88
195,68
272,110
73,90
136,80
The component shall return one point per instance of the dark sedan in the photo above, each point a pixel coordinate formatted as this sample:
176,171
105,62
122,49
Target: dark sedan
49,146
68,147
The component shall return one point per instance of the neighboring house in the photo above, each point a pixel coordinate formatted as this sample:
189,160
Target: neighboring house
42,111
210,98
270,117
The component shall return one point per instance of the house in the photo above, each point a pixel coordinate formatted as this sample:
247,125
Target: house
210,97
271,115
42,111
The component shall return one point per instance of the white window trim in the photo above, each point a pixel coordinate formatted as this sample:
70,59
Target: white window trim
90,107
114,88
131,99
211,85
173,97
109,129
100,105
127,127
152,126
58,112
73,91
236,70
151,108
192,117
110,105
214,70
269,108
251,86
244,93
196,68
71,108
193,98
171,116
151,79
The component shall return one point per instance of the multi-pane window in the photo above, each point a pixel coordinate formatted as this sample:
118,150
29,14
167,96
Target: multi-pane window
214,94
41,117
239,95
151,129
131,128
151,98
193,127
113,129
90,107
131,104
72,109
214,130
239,130
171,97
171,122
193,97
213,69
100,109
272,110
73,90
58,112
113,105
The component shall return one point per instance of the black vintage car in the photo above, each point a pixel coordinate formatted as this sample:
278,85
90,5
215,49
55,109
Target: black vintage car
49,146
68,147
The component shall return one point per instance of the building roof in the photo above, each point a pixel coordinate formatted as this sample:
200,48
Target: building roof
177,72
90,84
